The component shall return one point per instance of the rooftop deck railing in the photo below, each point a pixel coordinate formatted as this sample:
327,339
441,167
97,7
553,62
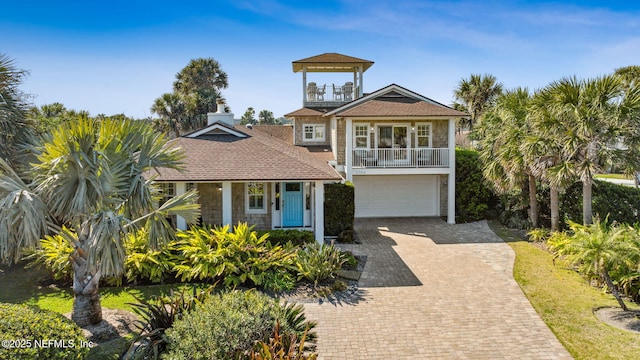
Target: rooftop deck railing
401,158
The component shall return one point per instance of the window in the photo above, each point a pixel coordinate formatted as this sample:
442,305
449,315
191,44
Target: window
423,134
168,192
191,186
362,136
255,199
313,133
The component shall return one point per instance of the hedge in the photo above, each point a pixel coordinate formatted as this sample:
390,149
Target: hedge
473,197
339,210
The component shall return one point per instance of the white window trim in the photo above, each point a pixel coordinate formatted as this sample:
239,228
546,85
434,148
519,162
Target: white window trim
247,209
430,135
315,128
355,136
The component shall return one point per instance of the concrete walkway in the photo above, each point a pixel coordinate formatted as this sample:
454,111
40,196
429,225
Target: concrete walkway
433,290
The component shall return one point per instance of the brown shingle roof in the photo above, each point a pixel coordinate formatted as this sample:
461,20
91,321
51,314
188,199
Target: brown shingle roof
332,61
307,112
282,132
394,100
259,157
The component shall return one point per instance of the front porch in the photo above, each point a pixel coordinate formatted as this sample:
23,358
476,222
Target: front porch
296,204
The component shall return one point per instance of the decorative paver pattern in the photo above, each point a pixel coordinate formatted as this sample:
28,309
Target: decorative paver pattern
431,290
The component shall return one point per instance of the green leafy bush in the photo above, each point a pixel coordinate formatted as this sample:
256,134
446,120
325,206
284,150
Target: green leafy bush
225,326
283,236
237,258
27,325
317,262
157,315
339,210
53,254
144,263
473,196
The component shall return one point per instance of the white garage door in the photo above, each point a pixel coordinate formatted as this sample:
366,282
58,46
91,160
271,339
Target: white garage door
396,195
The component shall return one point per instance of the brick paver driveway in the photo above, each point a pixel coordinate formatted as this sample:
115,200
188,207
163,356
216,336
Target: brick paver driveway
433,290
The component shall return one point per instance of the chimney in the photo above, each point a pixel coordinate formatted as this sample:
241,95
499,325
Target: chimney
220,115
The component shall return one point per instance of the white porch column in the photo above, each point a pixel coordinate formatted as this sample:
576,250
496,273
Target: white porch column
361,92
451,194
319,212
226,203
304,84
348,152
181,188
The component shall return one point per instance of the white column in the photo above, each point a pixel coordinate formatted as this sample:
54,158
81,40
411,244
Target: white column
226,203
451,195
348,152
181,188
304,84
361,92
319,212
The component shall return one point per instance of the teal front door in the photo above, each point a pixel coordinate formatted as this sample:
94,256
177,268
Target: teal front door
292,209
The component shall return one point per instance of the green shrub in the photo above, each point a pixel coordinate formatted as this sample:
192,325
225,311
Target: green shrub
284,236
237,258
473,196
157,315
143,263
53,254
317,263
226,326
29,325
339,210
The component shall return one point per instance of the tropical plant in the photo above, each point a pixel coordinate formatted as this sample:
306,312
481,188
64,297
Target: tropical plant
597,250
15,127
145,263
475,95
95,177
282,347
587,118
195,92
157,315
473,193
317,262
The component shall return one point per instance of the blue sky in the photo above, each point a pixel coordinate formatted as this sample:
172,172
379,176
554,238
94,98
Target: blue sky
118,56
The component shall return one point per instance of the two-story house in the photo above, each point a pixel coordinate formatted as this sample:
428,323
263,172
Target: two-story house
396,146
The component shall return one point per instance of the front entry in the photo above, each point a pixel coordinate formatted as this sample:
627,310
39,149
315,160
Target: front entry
292,205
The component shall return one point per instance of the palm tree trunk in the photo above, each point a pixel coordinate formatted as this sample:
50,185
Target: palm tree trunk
86,300
614,290
533,201
587,211
555,208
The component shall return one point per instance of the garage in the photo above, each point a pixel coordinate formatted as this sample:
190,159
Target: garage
396,195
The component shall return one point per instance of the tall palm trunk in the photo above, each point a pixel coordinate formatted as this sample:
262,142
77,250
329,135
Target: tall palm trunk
86,300
587,211
533,201
555,208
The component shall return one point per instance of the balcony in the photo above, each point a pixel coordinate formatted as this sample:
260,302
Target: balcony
401,158
330,95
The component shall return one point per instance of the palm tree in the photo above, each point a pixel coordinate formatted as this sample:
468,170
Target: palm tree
503,130
171,109
15,128
589,117
96,178
476,94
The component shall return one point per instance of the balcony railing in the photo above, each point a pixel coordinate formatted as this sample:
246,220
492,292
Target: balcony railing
401,158
328,94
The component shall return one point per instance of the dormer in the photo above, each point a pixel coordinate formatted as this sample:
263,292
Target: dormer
330,89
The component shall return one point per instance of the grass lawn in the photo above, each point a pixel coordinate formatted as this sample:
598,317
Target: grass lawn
22,286
566,303
612,176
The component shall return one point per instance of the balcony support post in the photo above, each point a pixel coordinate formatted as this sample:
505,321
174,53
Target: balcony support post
348,154
451,193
